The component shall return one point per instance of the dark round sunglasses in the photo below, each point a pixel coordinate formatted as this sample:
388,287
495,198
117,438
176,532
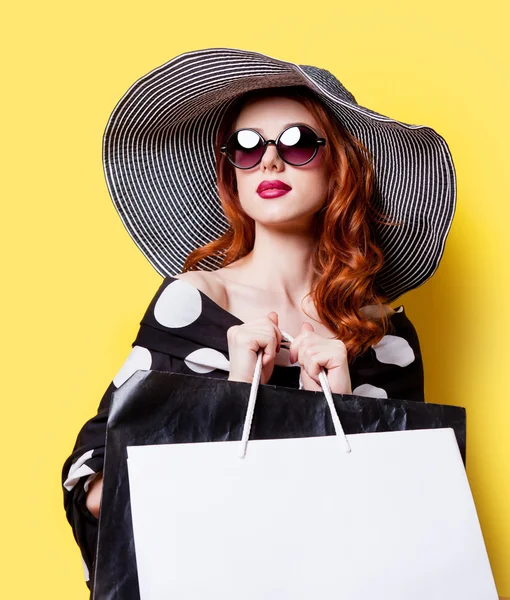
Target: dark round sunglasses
296,145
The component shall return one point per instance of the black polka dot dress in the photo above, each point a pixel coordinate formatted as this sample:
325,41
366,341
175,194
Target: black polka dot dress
185,331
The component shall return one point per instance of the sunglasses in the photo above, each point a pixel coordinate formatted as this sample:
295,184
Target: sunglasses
296,145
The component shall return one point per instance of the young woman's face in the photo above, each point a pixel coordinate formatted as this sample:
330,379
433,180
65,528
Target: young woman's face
309,183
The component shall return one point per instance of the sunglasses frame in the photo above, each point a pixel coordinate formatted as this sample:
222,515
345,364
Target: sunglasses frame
319,142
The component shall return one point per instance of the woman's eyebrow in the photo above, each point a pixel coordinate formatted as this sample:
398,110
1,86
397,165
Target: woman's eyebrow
259,129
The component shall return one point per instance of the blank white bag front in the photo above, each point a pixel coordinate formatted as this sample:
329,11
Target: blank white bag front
301,519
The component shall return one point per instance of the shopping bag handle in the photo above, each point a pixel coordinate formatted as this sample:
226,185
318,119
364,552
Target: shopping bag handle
339,431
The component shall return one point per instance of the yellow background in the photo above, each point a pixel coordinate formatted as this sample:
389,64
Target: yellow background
75,286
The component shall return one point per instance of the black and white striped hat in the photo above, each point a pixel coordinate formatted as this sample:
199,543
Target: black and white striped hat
158,155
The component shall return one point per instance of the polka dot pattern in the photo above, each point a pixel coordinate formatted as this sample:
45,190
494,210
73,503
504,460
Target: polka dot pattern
206,360
370,391
85,569
185,331
179,305
89,480
394,350
78,469
139,359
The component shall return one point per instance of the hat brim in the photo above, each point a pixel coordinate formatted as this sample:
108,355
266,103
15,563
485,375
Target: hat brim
159,163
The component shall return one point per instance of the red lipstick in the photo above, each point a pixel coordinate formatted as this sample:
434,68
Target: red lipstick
272,188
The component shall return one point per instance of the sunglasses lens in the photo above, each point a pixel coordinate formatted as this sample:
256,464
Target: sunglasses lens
245,148
297,144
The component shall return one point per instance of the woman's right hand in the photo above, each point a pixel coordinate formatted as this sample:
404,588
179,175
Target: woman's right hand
244,342
93,496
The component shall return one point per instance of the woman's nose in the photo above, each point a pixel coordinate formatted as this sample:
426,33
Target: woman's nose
271,158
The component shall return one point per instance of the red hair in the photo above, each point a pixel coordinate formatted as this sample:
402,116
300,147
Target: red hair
346,258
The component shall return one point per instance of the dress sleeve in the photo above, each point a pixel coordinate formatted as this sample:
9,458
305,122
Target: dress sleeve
86,460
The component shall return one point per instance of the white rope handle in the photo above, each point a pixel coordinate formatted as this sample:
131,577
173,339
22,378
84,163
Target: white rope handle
339,431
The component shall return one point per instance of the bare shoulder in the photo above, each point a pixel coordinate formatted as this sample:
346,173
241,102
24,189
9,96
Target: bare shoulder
208,283
372,311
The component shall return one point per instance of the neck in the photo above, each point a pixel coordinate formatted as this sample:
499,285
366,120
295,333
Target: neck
280,263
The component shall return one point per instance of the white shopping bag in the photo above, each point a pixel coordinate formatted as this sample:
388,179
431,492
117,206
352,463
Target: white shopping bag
374,515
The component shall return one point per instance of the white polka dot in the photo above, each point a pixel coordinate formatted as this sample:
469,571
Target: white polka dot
180,304
206,360
89,480
139,358
85,569
394,350
370,391
78,469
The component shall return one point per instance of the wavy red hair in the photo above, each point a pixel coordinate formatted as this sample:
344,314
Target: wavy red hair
346,259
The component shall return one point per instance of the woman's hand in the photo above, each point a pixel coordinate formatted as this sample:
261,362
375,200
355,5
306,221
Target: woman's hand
313,351
244,341
93,497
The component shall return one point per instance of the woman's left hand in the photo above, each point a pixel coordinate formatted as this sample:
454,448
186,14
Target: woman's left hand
313,351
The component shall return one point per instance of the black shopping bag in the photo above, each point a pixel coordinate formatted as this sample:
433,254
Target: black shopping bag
155,407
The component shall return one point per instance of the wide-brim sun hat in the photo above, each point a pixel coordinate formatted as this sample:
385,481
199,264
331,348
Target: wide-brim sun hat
160,166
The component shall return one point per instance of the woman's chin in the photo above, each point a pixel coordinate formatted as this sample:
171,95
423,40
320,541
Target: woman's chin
285,222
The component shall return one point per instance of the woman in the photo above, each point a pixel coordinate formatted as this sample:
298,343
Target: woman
299,255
